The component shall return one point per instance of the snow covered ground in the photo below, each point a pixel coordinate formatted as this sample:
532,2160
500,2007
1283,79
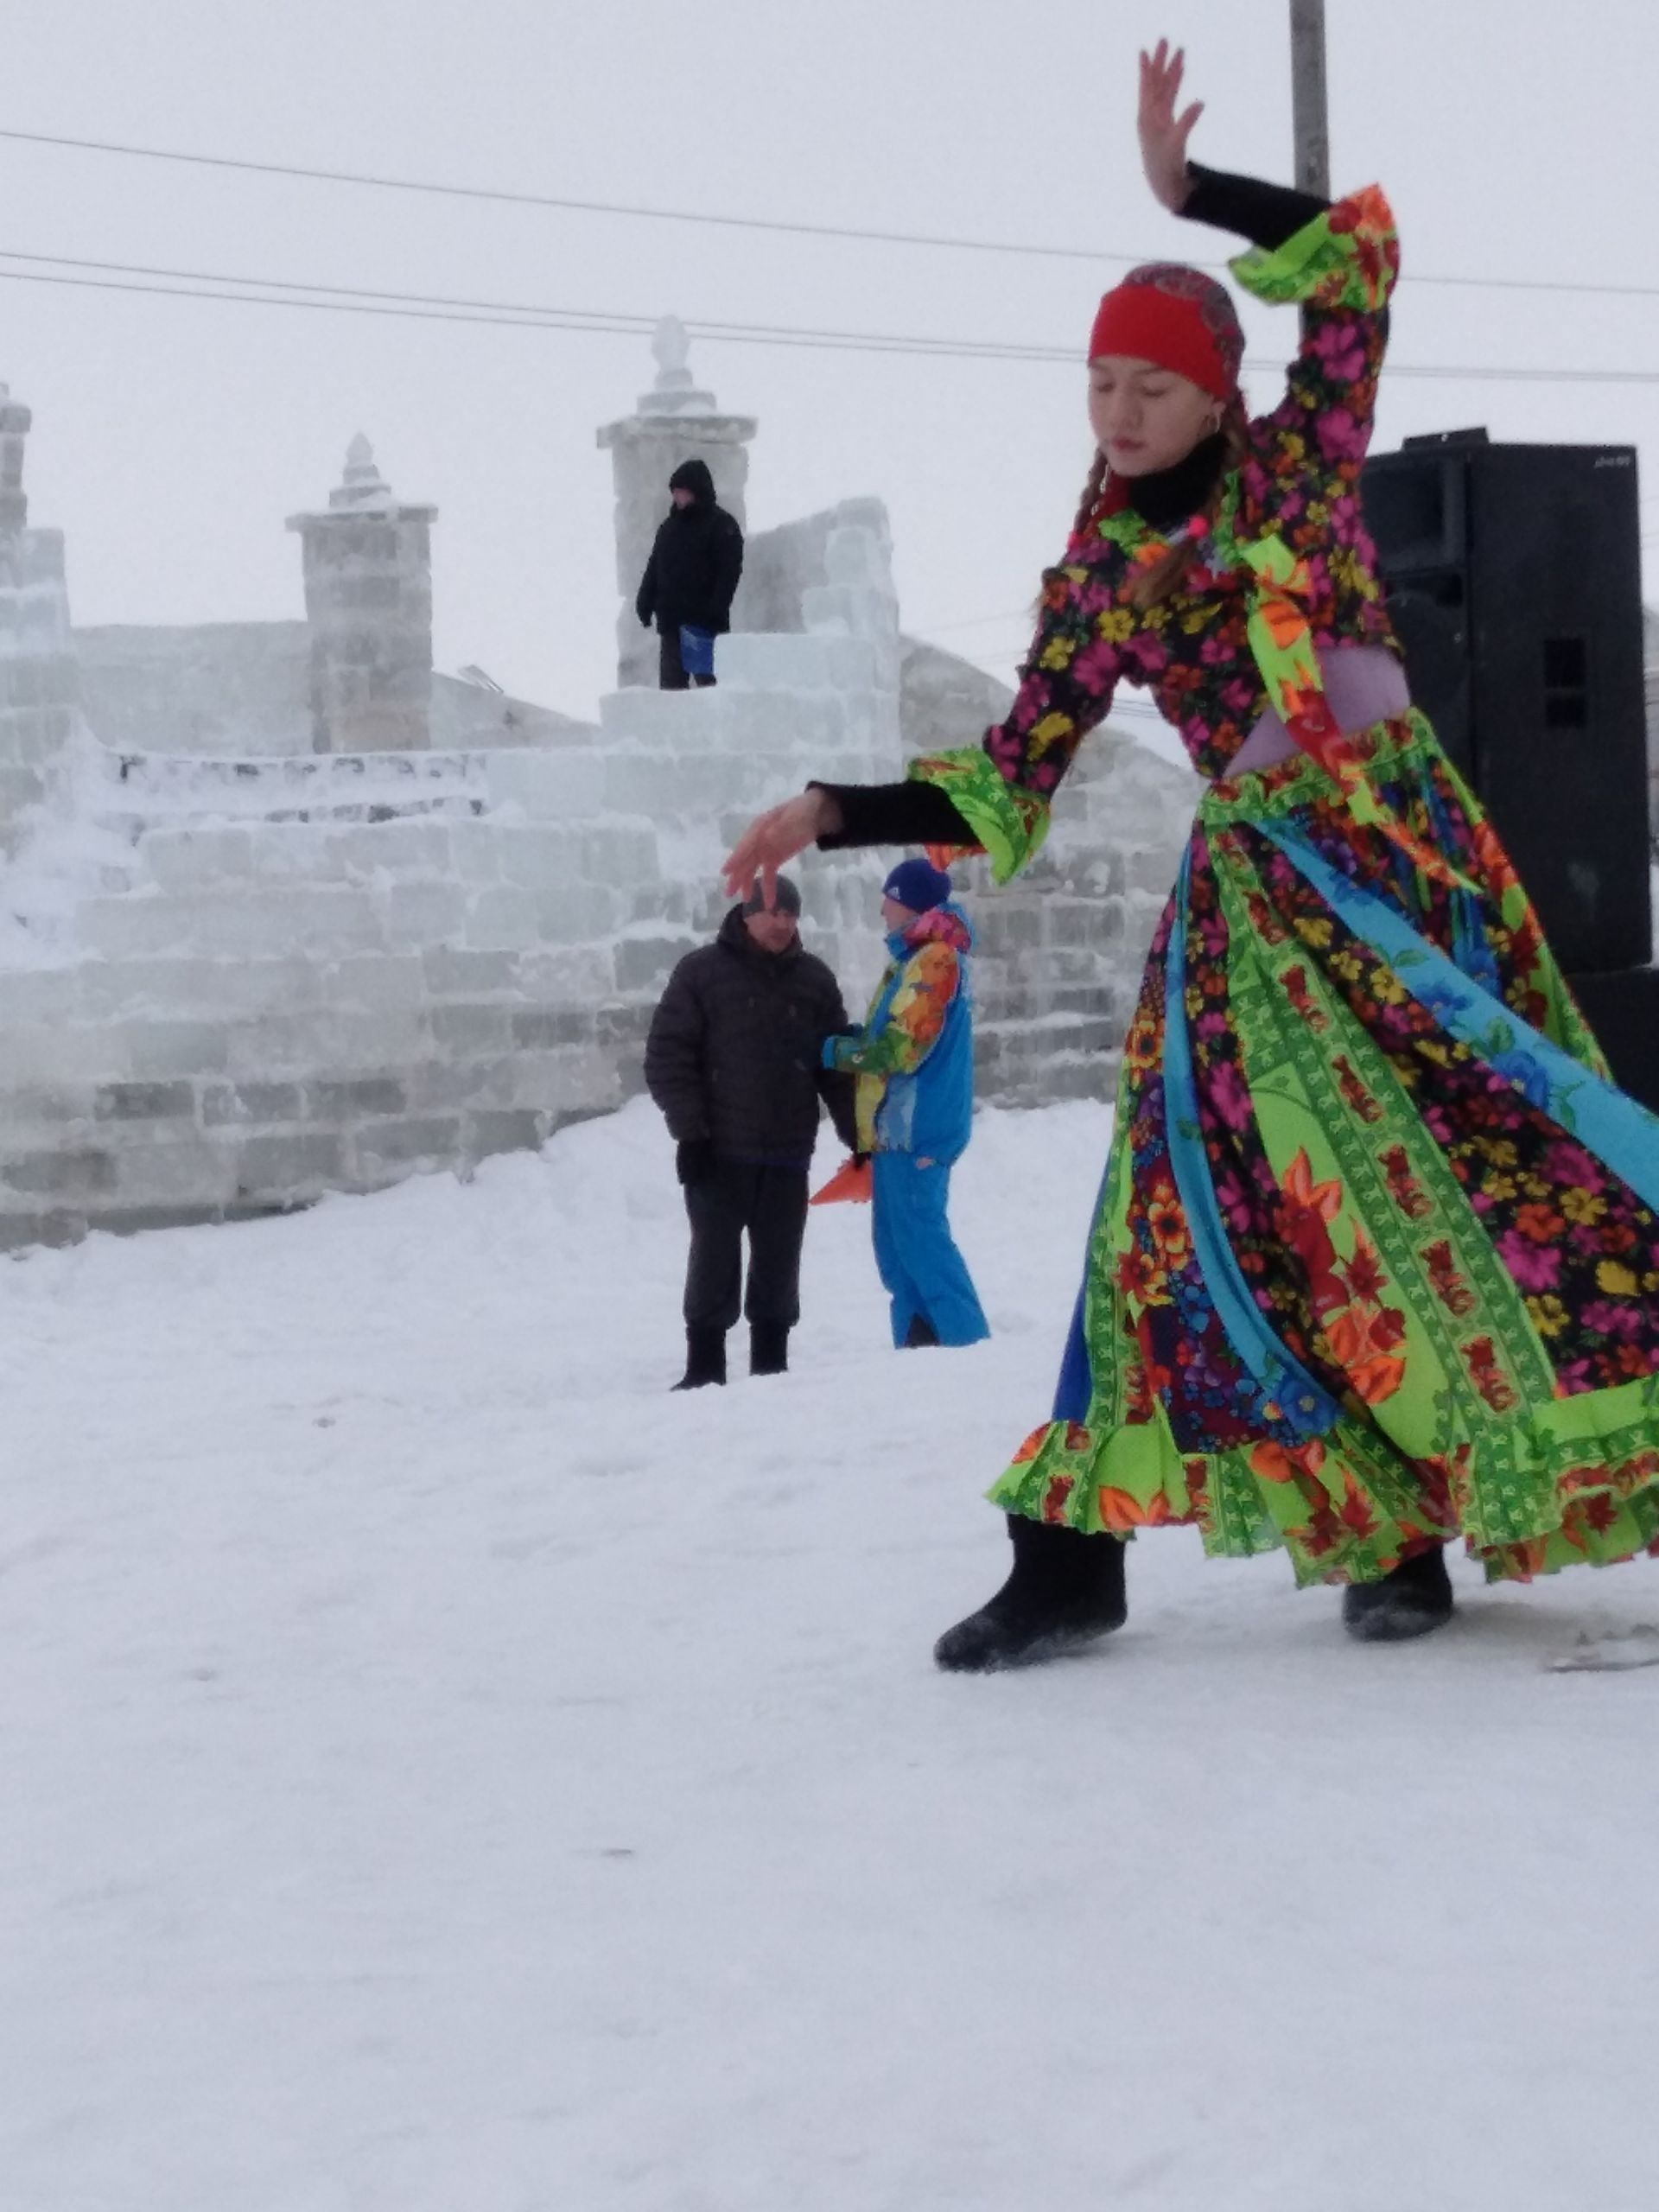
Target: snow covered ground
445,1773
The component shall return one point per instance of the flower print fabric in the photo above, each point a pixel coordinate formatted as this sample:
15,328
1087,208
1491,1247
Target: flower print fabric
1376,1261
1299,483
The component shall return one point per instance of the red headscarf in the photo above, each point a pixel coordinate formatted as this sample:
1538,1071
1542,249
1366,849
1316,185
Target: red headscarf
1177,317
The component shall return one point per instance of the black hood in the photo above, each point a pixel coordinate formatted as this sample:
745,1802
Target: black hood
693,476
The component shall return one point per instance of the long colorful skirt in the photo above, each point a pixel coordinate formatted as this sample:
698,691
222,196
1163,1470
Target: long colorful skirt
1376,1259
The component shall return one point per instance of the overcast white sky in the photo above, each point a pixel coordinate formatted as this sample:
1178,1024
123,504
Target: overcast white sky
172,437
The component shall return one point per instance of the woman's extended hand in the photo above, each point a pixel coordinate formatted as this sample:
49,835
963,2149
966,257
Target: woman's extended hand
777,836
1163,133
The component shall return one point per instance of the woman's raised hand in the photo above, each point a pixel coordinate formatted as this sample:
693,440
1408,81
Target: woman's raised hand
1163,133
777,836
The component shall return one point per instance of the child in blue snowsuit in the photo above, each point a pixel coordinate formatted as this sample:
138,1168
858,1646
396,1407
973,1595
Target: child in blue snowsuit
914,1062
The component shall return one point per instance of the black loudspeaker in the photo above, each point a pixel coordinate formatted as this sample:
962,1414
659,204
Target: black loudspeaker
1623,1008
1514,579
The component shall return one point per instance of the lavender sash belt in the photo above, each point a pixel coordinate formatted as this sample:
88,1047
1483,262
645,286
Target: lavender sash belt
1364,684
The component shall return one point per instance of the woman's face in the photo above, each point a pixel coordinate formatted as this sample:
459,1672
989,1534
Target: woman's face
1146,418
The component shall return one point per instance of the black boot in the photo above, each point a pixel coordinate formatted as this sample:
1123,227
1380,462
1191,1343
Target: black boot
768,1348
1414,1599
1065,1590
921,1331
705,1359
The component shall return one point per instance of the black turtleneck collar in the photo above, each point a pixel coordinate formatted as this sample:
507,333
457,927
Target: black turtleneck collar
1170,497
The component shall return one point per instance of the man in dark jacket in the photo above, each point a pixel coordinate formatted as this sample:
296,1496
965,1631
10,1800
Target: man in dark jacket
691,577
735,1059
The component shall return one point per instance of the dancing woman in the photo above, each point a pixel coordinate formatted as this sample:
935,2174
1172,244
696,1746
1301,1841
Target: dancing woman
1376,1260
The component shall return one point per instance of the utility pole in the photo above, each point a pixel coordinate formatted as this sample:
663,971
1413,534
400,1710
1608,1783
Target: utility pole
1310,110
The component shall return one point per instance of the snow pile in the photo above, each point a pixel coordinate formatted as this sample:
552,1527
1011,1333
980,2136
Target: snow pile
446,1773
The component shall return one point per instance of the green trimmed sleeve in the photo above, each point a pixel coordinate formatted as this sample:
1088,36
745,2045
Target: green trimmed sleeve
1348,257
1340,269
1009,824
1002,788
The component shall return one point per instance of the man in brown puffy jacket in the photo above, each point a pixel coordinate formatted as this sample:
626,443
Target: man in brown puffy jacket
734,1061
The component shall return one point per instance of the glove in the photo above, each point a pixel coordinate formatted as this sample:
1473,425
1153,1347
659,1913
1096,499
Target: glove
694,1162
861,1160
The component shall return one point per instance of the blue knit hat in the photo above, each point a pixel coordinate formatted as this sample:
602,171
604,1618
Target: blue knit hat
918,885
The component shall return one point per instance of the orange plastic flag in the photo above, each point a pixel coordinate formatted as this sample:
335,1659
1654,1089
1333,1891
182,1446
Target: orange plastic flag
852,1183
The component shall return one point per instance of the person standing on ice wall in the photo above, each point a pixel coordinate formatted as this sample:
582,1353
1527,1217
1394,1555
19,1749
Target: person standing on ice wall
1375,1259
913,1060
690,579
733,1059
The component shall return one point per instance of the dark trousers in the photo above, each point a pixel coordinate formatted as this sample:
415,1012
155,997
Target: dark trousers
670,669
770,1202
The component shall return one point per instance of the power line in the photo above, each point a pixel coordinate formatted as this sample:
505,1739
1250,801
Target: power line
279,292
577,320
504,197
523,312
933,241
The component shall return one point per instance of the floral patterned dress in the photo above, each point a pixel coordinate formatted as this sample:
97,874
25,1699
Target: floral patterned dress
1376,1257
